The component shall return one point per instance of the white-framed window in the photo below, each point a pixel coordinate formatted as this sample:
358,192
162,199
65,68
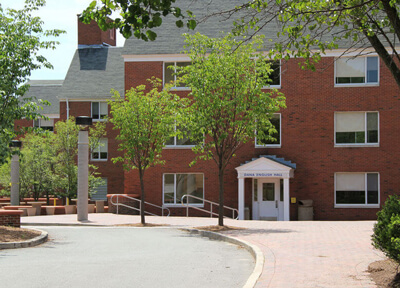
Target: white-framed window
99,111
170,74
356,128
179,142
276,121
357,71
274,79
175,185
101,151
354,190
44,124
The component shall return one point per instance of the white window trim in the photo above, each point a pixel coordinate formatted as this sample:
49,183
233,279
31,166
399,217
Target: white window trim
280,79
280,137
346,145
365,73
98,159
174,146
40,124
366,196
174,88
200,205
91,111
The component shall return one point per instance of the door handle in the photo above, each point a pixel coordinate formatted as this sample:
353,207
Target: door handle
276,203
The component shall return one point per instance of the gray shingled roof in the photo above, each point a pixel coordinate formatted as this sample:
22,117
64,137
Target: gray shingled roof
276,159
93,73
169,37
46,90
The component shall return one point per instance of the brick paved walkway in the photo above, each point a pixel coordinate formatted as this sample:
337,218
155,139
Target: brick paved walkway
297,254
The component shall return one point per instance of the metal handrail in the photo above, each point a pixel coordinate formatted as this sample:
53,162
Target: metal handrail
140,205
187,196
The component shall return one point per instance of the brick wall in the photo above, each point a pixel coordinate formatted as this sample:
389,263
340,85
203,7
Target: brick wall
307,140
10,218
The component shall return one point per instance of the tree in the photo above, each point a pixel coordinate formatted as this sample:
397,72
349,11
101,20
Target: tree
20,34
145,122
309,28
386,235
306,29
139,16
228,104
36,167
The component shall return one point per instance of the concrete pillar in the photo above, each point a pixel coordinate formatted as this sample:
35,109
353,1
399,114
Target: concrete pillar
241,198
286,202
83,175
15,180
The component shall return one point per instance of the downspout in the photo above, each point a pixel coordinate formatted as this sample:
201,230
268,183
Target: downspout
67,108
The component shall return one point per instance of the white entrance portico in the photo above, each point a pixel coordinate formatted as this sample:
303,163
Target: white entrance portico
269,174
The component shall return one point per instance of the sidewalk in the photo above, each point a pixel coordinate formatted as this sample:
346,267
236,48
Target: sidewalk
297,254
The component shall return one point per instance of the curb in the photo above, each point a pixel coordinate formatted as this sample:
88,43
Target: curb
25,244
252,249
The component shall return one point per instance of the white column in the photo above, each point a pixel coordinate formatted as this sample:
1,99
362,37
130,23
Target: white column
14,180
241,198
286,202
83,175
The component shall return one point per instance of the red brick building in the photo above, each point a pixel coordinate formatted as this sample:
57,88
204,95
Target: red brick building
339,128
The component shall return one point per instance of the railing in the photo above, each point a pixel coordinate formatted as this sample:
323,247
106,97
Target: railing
140,205
187,204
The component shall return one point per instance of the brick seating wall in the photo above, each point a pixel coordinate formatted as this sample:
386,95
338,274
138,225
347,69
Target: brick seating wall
10,218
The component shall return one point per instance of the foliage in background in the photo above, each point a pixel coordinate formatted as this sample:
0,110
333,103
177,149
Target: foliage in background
145,121
47,162
228,106
386,235
20,41
135,17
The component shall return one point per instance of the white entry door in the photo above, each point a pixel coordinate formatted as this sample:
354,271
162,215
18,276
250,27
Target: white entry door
268,199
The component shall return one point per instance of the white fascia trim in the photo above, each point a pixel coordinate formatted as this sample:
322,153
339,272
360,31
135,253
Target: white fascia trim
86,100
156,57
52,116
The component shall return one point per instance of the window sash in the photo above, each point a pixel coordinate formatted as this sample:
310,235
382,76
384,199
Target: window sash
356,128
357,188
175,141
99,110
277,122
101,151
361,70
170,74
178,184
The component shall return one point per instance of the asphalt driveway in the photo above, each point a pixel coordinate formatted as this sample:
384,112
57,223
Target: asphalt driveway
125,257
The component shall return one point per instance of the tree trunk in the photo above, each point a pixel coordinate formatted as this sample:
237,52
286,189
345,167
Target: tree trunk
221,197
141,174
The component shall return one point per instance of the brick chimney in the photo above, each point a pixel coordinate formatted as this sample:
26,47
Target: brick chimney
91,34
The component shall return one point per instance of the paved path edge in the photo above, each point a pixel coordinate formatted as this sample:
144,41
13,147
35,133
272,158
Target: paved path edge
252,249
25,244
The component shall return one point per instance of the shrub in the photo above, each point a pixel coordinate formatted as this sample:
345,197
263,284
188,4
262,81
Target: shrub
386,235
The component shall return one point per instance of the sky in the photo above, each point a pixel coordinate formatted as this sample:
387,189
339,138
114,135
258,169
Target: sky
58,15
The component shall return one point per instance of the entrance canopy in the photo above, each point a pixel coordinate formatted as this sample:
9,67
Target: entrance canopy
267,166
264,167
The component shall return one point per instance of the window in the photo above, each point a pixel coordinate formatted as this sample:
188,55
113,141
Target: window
100,192
361,70
44,124
170,74
274,79
99,110
177,185
357,189
175,141
356,128
276,121
101,151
